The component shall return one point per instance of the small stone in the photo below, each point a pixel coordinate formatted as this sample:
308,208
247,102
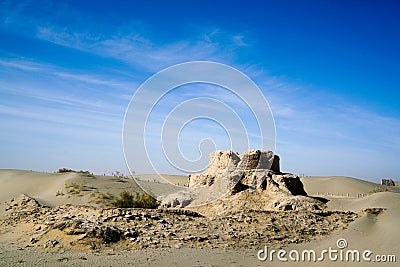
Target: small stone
129,217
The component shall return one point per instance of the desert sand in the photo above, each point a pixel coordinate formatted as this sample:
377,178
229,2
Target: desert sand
376,230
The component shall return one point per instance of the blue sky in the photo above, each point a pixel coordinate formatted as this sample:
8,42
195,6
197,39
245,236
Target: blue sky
329,69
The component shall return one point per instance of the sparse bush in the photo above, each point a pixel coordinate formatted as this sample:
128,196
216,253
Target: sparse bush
104,198
59,193
63,170
75,188
127,200
109,195
85,173
119,176
82,186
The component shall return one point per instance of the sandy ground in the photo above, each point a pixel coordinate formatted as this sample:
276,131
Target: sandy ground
379,233
339,186
164,257
50,188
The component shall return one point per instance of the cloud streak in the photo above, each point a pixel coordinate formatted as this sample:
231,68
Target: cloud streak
141,52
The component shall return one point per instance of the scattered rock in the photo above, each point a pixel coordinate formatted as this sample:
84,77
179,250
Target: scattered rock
180,228
179,245
373,211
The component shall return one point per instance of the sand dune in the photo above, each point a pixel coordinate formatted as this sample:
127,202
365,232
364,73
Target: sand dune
50,188
35,184
44,186
340,186
377,232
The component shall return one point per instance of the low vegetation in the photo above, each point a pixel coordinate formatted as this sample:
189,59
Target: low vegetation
119,177
74,188
85,173
124,200
127,200
104,198
64,170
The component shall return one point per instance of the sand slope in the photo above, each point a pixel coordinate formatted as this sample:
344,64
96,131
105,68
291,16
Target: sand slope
379,233
50,188
340,186
35,184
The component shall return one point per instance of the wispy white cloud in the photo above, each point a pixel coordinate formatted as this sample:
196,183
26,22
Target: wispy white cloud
239,40
52,84
142,52
60,106
48,69
131,46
